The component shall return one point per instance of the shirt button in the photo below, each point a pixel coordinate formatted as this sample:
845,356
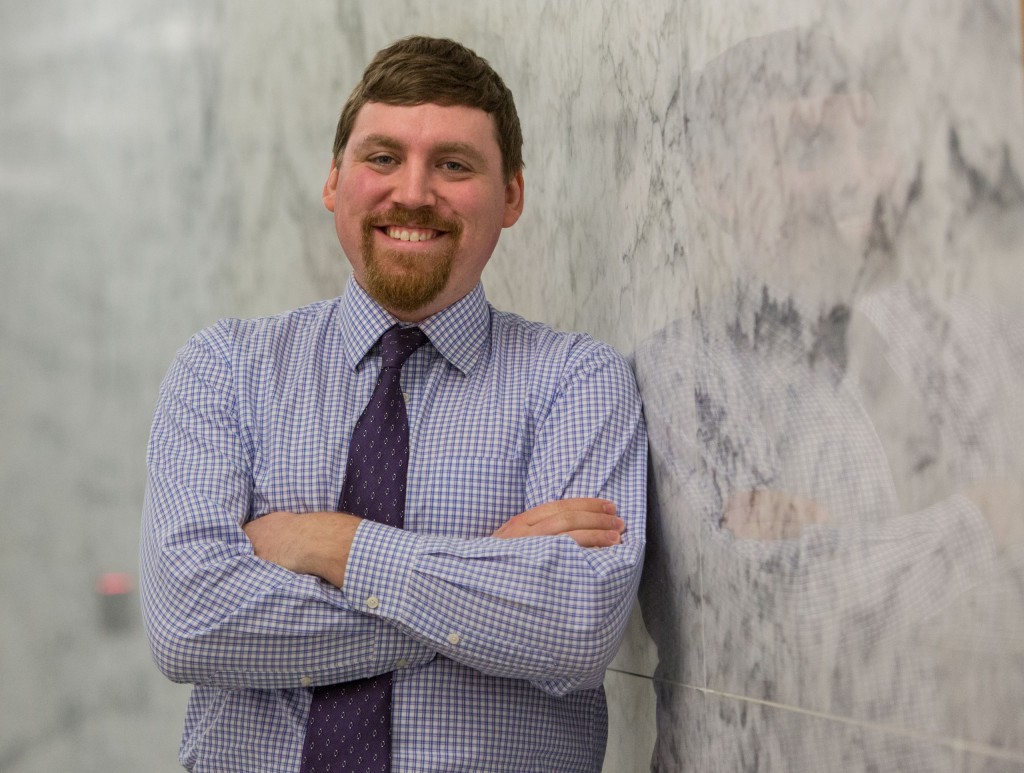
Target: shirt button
306,681
402,663
454,638
405,396
373,602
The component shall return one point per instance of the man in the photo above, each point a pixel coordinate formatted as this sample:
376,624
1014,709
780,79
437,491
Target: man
488,619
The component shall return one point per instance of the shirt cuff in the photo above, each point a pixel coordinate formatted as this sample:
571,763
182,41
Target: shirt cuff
380,561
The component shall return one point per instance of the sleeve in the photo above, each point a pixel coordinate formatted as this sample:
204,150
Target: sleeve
868,581
214,612
869,577
541,609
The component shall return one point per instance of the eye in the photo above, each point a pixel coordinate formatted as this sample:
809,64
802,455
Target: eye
454,166
383,159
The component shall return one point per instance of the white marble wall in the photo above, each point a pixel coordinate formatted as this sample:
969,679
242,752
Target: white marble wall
805,220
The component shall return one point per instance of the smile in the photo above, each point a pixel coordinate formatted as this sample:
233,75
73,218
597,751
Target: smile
411,234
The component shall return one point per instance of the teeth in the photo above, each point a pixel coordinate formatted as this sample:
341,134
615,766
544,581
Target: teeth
410,236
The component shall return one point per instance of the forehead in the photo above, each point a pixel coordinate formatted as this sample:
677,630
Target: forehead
427,125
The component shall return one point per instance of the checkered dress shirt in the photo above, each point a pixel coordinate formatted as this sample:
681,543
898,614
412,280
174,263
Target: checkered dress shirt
498,647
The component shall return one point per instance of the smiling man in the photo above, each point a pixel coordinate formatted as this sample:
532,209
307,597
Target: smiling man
419,197
398,530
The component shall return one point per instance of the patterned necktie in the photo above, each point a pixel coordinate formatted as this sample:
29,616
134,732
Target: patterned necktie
349,726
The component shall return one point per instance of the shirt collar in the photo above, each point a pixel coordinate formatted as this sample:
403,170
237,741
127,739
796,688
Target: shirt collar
458,332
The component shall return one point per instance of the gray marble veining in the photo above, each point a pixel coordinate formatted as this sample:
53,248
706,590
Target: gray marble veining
837,426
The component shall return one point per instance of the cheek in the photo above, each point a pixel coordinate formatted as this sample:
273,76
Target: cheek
360,192
487,213
356,198
348,226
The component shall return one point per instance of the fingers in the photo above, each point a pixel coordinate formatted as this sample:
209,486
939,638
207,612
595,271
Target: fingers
567,522
583,504
595,538
590,522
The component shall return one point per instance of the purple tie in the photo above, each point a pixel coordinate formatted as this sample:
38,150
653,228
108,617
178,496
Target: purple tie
349,726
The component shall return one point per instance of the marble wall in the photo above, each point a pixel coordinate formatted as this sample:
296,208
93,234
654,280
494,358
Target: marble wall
803,220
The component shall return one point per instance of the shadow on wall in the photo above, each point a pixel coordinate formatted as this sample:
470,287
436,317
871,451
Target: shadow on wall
836,467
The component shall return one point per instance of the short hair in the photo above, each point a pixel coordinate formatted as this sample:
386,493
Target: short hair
418,70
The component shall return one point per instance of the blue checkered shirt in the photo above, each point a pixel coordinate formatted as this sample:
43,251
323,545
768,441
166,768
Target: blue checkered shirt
498,647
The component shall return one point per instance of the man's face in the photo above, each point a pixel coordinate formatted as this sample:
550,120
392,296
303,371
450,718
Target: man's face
798,189
419,200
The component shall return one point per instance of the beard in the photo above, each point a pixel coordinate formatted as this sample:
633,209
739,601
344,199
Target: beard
401,281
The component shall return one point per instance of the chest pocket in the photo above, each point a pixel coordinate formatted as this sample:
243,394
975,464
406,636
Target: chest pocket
465,496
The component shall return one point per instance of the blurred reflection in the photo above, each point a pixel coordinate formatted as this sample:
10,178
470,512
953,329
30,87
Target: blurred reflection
835,449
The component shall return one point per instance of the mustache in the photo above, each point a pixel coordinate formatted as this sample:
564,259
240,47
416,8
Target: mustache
424,217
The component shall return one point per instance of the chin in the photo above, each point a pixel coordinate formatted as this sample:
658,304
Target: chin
406,291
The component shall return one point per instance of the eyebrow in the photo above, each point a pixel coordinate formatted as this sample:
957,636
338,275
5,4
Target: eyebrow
442,148
378,141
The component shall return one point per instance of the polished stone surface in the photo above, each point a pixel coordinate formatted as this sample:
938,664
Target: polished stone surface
803,221
835,421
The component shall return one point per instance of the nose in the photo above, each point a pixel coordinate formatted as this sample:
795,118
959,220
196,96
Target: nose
414,187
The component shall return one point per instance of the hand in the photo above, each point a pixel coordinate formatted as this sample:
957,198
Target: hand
592,523
1001,502
309,543
764,514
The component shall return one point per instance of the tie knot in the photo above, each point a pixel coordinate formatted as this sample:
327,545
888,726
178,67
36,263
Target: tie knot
398,343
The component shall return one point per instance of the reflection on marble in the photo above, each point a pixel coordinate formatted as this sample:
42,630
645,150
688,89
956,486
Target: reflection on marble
753,737
631,722
803,220
980,763
682,739
637,654
712,732
836,424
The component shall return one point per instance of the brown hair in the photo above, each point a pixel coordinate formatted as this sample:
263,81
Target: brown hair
417,70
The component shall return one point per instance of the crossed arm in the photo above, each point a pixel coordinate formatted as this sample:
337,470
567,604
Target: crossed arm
318,544
243,605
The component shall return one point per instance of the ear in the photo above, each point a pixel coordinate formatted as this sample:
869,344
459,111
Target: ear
513,200
331,187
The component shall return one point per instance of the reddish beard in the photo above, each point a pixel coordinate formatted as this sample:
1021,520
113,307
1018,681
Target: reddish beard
402,281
